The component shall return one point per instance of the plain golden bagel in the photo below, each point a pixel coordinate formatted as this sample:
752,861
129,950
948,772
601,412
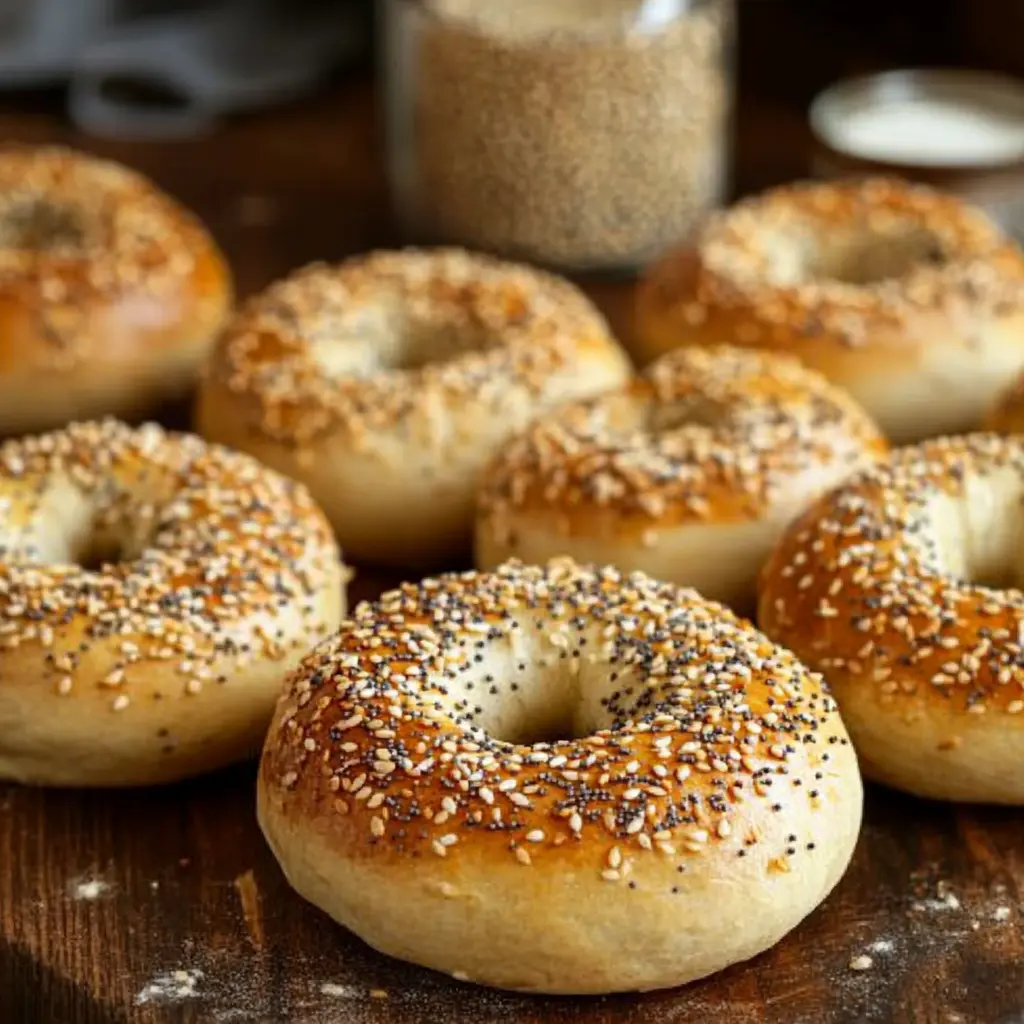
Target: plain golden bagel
110,292
911,299
386,384
559,779
901,587
690,472
154,591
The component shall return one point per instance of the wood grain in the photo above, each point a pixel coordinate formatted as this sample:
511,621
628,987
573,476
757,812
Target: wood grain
185,883
105,896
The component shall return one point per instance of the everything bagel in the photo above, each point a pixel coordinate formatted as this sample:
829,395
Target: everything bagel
153,592
902,588
690,472
559,780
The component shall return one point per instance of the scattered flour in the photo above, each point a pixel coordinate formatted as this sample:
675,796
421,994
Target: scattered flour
328,988
947,902
170,987
89,888
943,900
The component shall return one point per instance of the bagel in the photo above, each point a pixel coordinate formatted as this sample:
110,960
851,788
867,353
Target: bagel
901,587
690,473
558,779
110,292
153,592
386,383
910,299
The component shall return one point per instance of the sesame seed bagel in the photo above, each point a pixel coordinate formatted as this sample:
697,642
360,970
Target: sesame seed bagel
559,779
154,590
690,473
110,292
911,299
387,382
901,587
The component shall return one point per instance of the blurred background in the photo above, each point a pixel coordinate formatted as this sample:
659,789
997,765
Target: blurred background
144,53
270,116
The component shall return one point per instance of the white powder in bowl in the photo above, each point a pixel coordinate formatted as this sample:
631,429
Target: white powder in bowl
931,132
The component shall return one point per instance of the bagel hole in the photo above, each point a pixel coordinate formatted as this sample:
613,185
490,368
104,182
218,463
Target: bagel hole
529,692
533,706
41,225
537,726
99,550
428,344
106,539
699,411
979,535
628,421
384,337
863,258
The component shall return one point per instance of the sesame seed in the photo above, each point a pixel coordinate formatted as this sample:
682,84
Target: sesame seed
453,781
570,465
194,595
941,641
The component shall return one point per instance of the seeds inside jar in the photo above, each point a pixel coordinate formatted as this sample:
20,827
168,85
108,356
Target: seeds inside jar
571,132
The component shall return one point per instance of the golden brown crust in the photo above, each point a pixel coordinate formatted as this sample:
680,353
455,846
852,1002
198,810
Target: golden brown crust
874,587
702,745
368,709
702,435
212,575
413,363
105,282
705,438
865,281
499,325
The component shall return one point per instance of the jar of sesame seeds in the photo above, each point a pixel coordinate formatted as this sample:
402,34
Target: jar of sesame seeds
580,134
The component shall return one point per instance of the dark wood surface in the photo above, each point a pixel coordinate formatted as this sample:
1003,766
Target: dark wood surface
105,896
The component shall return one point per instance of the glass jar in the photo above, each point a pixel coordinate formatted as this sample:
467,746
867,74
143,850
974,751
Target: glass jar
579,134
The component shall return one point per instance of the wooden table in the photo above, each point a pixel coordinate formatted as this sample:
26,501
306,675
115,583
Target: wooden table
166,906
